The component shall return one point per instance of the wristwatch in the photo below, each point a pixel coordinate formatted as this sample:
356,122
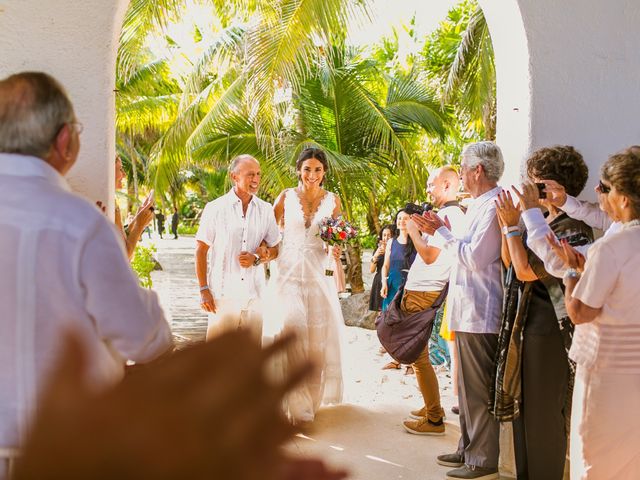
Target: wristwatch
571,273
257,261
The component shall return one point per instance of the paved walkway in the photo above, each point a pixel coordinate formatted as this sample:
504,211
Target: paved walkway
364,434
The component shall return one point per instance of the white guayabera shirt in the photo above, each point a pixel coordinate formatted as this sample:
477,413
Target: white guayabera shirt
475,296
228,232
63,267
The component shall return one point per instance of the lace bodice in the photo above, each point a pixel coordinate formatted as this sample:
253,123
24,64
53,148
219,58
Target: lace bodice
295,234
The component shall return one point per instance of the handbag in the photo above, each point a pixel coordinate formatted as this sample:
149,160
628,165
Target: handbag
405,335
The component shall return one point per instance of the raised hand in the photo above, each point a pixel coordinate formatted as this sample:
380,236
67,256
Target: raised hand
189,417
556,193
508,213
429,222
571,257
529,197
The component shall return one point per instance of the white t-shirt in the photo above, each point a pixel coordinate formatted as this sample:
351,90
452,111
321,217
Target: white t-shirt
433,277
611,281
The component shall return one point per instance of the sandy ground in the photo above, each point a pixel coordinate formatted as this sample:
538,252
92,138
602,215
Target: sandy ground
364,434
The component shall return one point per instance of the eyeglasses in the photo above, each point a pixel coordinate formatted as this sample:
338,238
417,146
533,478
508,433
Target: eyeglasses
602,188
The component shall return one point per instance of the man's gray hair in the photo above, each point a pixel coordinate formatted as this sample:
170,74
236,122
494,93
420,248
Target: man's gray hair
33,109
487,154
238,160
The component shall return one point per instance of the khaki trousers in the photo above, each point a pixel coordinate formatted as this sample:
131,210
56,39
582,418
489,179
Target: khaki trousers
425,375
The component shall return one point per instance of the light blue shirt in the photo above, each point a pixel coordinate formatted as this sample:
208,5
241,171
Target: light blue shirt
474,304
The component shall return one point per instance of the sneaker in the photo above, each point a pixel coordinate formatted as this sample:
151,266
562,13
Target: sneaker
424,426
450,460
420,414
473,472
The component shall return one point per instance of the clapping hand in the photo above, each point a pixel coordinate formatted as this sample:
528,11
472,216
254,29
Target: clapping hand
429,222
571,257
144,215
508,213
188,417
529,197
556,194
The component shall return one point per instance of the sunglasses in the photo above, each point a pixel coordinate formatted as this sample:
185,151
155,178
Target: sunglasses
602,188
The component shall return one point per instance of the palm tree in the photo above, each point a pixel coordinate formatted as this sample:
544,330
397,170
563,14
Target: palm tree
459,56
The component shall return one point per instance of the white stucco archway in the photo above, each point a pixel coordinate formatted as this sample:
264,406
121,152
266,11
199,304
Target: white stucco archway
567,72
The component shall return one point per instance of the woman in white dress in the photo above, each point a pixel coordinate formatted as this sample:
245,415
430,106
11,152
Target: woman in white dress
602,300
305,299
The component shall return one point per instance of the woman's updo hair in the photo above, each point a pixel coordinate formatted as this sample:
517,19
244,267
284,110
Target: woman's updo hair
561,163
622,171
313,152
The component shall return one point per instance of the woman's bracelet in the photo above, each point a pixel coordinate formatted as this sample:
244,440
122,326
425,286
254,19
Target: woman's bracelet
508,229
515,233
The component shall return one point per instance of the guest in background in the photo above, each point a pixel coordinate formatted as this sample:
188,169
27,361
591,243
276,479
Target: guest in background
398,257
377,260
534,377
602,301
160,222
135,224
175,219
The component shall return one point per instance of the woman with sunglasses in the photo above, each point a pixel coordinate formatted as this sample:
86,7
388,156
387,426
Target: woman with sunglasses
602,301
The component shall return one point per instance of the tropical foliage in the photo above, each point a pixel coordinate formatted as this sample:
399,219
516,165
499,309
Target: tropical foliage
269,78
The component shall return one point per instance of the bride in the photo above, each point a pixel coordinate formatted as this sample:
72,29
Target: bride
307,298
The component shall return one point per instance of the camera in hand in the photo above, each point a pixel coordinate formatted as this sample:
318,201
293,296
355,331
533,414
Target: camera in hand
414,208
576,238
541,192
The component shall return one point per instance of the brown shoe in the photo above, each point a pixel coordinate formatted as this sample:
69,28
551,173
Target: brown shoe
392,365
424,427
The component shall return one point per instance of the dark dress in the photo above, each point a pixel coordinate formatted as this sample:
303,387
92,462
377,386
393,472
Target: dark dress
398,270
375,299
534,374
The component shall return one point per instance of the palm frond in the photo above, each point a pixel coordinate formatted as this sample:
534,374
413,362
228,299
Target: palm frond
142,17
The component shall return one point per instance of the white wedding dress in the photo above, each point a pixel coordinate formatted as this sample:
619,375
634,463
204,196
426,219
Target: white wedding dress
303,299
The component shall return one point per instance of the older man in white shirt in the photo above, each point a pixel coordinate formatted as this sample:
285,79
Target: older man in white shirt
475,308
241,232
63,264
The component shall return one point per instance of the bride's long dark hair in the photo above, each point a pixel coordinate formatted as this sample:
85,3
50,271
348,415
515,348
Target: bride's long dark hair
318,154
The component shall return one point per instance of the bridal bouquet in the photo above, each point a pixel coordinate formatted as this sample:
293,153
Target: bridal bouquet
335,231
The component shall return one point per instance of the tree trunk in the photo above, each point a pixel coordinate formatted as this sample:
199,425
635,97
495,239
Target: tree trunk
354,272
374,212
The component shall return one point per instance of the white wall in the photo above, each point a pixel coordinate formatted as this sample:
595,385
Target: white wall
510,46
76,42
583,76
